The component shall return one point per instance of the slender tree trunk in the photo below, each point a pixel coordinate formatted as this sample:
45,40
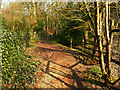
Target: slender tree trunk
31,9
36,9
93,24
119,49
95,30
52,27
103,38
99,29
47,26
107,40
85,41
111,37
44,26
0,5
0,46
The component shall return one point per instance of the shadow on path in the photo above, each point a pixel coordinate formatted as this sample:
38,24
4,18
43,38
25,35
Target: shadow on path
74,76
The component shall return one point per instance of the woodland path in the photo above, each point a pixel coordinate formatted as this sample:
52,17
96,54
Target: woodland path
60,67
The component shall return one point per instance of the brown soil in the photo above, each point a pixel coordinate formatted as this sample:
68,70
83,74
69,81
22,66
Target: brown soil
60,67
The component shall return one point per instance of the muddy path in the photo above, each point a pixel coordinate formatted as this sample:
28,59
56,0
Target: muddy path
60,67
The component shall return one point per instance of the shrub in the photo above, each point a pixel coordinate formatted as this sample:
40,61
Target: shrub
17,68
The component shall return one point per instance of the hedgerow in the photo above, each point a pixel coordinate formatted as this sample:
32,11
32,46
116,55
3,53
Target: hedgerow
17,67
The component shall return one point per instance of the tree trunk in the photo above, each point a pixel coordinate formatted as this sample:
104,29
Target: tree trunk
36,9
107,41
47,26
95,30
100,40
119,49
111,37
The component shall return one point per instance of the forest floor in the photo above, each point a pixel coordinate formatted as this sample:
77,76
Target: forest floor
62,67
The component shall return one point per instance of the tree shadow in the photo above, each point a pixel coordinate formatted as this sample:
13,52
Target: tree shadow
74,76
82,53
75,54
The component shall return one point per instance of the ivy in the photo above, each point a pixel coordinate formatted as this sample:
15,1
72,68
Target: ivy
17,69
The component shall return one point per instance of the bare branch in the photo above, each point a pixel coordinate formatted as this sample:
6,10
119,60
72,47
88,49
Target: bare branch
115,30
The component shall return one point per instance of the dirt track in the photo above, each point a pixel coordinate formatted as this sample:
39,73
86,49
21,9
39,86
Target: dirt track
61,67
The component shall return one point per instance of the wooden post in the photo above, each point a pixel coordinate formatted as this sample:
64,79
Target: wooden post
71,43
119,49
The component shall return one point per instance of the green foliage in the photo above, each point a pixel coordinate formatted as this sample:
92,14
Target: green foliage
34,40
65,36
39,26
5,24
42,34
17,68
96,71
68,27
27,37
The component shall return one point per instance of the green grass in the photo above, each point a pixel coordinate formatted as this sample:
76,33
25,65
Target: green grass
53,41
96,71
35,40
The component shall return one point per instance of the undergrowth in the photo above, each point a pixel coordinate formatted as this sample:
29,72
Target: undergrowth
17,67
